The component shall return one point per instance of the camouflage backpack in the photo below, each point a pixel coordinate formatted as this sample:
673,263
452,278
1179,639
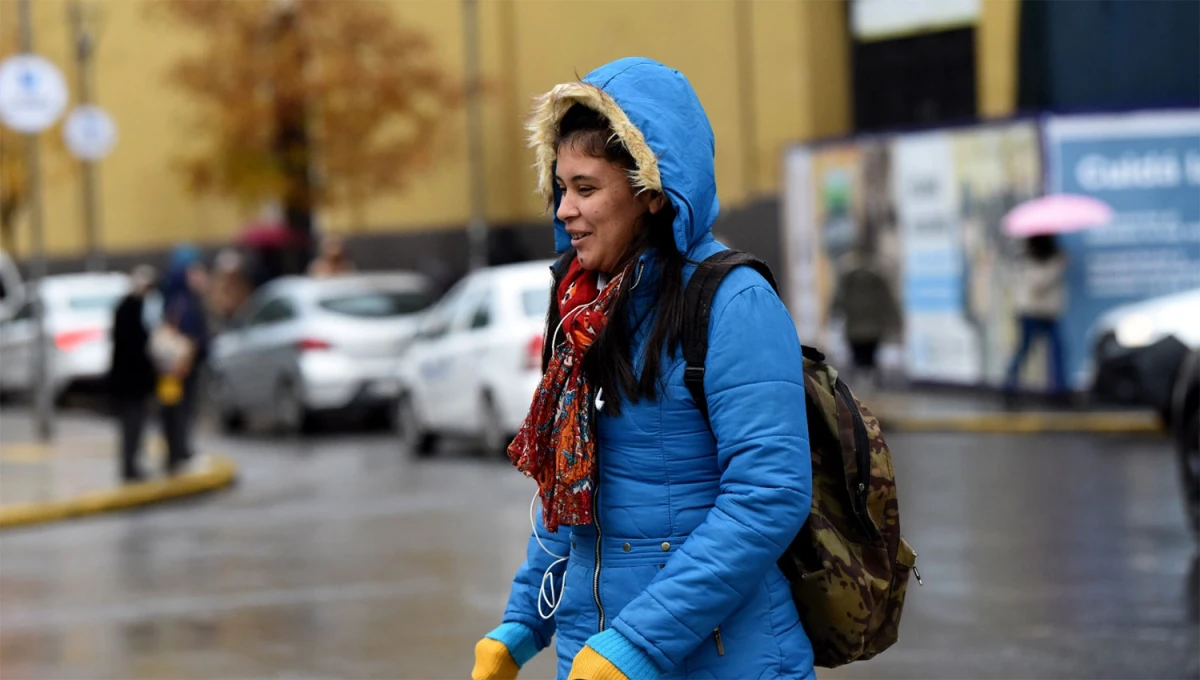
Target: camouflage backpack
848,567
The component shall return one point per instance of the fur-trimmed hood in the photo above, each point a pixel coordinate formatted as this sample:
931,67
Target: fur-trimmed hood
657,115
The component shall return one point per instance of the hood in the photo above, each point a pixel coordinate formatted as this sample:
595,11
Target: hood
174,281
658,117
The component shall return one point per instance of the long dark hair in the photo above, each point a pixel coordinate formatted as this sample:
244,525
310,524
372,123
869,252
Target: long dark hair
609,362
1042,247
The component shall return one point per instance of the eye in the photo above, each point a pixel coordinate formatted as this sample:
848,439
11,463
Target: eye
585,190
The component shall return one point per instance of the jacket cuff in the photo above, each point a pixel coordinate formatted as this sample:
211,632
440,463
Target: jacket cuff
520,640
626,656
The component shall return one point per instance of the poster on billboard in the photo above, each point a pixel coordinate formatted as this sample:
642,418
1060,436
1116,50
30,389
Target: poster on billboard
952,188
837,204
1146,166
996,167
939,343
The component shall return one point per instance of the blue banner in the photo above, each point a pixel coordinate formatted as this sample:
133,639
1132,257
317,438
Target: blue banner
1147,168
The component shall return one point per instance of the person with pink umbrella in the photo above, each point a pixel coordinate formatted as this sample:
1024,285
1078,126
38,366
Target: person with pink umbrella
1040,291
1039,299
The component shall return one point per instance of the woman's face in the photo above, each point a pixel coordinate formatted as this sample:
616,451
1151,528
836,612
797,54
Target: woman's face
598,205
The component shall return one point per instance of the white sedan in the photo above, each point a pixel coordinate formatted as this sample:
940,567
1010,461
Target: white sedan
476,361
302,346
79,316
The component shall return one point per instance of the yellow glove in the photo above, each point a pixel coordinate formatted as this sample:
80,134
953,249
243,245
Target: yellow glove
493,662
611,656
589,665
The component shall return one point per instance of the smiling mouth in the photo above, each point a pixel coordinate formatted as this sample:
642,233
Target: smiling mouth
576,238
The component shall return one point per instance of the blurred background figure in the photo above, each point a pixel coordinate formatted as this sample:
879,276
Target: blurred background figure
1040,296
180,347
230,286
868,308
332,259
131,376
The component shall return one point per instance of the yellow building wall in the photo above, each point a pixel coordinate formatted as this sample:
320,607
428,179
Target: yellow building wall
996,57
798,55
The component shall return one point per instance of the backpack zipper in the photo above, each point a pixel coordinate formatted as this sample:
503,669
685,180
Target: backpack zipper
717,639
862,446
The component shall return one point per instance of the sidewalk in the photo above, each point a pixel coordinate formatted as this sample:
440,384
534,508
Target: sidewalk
77,474
964,411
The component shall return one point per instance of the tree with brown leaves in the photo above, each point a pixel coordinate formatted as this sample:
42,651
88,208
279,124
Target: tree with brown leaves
310,102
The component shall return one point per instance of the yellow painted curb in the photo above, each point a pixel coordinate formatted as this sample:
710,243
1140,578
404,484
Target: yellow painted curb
220,473
1030,423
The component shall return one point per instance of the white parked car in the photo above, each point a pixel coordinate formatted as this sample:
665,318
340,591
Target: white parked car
301,346
79,315
473,367
1136,349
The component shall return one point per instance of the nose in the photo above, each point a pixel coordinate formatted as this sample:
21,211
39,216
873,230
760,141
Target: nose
566,207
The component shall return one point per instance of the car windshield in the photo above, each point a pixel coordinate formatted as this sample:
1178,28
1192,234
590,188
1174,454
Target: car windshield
534,301
376,304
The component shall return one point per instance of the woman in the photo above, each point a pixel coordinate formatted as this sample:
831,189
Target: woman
653,555
1040,297
181,344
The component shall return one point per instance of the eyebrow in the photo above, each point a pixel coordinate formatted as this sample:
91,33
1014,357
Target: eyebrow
578,178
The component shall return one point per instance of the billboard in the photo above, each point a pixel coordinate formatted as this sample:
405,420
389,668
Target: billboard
928,206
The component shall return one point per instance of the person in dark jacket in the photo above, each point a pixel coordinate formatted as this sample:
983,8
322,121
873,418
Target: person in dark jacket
655,534
865,301
185,317
131,376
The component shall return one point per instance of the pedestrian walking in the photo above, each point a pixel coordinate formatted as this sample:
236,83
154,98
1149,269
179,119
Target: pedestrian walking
180,348
655,536
131,376
1040,298
869,311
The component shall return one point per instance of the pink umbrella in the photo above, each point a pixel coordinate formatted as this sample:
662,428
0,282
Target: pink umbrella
1056,214
268,234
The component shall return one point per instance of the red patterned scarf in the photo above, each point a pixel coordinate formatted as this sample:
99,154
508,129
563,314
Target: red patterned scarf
556,445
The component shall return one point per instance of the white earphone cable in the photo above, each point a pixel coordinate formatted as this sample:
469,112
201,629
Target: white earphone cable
553,597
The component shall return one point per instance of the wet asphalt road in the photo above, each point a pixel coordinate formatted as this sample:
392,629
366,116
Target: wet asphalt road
340,557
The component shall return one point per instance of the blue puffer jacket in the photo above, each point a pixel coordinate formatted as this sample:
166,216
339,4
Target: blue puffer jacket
680,563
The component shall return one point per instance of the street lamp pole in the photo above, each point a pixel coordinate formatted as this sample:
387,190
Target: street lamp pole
84,46
43,411
477,229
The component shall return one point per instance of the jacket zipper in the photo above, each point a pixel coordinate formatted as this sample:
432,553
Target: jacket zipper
596,494
717,639
596,523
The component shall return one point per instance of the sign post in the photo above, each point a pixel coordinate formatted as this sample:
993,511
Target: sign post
90,134
33,95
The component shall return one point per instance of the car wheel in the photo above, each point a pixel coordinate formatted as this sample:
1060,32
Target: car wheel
492,437
1188,446
413,437
291,415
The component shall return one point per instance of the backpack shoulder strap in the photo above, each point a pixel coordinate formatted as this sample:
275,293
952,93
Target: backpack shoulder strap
697,300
